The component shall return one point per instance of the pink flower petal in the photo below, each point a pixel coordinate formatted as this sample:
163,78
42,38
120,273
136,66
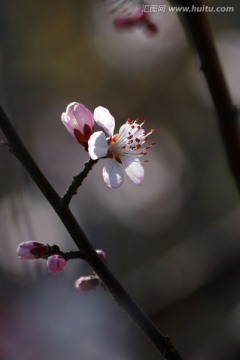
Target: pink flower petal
79,121
104,119
32,250
83,116
113,173
133,169
55,263
87,283
102,255
97,145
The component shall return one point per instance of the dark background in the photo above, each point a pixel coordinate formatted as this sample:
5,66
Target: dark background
173,242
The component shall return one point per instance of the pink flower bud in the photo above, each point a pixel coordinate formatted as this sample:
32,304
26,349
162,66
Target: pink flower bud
87,283
55,263
79,122
32,250
102,255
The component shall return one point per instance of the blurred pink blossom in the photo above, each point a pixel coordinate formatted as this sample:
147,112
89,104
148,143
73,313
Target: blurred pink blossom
137,18
55,263
32,250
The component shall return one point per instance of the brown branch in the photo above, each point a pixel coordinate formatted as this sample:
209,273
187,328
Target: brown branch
200,33
77,182
162,343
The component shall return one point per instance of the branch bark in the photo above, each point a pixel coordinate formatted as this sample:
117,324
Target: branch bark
227,114
77,182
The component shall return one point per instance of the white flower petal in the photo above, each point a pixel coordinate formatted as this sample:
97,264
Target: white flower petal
124,129
113,173
133,168
104,119
97,145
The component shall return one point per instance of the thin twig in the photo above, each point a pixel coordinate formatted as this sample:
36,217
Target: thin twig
201,35
69,255
77,182
162,343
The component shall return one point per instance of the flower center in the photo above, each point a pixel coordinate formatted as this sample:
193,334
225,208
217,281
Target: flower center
113,150
131,141
113,139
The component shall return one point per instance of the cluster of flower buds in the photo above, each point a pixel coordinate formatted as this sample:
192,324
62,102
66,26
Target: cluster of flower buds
29,250
56,261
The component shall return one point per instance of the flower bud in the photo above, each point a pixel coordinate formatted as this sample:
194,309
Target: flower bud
55,263
102,255
79,122
87,283
32,250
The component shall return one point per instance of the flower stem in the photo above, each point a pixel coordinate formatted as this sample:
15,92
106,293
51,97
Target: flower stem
77,182
136,314
69,255
227,113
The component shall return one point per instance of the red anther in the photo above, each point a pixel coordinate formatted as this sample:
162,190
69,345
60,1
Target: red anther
137,120
143,153
133,126
153,131
138,146
124,147
146,160
148,147
137,140
153,143
145,139
129,137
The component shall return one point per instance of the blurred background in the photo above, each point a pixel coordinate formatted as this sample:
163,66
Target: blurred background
173,242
